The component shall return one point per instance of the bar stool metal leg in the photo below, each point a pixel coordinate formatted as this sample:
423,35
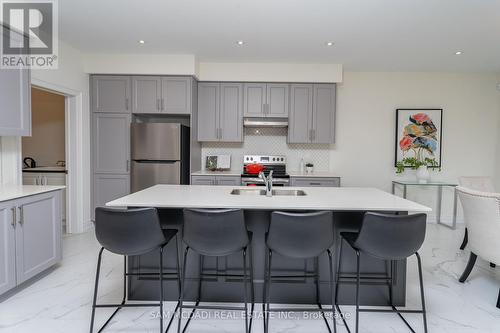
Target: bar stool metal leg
161,289
245,288
357,289
183,283
252,291
267,287
332,289
422,296
94,300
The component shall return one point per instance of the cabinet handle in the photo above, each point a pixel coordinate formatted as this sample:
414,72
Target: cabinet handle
313,135
317,184
310,135
128,165
126,103
162,104
157,104
45,182
220,131
21,215
36,180
14,217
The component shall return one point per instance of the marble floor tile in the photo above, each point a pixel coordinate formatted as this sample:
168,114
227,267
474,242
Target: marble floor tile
61,300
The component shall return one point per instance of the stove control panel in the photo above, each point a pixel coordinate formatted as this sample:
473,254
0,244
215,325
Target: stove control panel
264,159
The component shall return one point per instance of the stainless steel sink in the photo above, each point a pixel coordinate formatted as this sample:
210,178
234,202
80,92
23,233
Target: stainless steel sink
245,191
293,193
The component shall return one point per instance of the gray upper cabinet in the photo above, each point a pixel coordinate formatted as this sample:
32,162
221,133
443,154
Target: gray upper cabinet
266,100
208,111
254,99
38,234
176,95
111,94
111,146
146,94
323,117
15,94
312,113
300,120
231,112
220,116
277,100
7,247
155,94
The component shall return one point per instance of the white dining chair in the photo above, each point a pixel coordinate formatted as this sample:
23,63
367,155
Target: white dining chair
482,217
478,183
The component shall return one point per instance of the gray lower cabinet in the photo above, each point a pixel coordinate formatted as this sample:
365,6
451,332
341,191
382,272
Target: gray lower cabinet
215,180
110,94
315,181
220,113
7,247
111,143
266,100
312,113
107,187
31,237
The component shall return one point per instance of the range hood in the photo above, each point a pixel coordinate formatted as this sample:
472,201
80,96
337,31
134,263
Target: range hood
265,122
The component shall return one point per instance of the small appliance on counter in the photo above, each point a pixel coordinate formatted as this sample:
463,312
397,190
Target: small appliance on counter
218,162
253,164
29,162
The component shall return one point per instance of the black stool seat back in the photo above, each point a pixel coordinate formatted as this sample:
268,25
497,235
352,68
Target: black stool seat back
215,232
128,231
300,235
391,237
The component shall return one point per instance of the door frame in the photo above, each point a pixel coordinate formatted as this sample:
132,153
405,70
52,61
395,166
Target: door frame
76,155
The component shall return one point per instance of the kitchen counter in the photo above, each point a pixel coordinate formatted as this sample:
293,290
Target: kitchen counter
216,173
315,174
12,192
48,169
348,204
317,198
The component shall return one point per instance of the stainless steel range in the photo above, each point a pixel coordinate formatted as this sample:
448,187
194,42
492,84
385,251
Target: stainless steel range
277,163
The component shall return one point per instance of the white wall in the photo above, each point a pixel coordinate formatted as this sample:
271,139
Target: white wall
364,149
142,64
497,166
269,72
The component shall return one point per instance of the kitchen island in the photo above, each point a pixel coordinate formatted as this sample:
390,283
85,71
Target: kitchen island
348,206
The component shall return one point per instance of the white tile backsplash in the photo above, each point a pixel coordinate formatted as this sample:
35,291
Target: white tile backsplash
270,141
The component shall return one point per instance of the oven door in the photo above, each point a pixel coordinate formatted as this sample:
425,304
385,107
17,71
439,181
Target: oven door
259,182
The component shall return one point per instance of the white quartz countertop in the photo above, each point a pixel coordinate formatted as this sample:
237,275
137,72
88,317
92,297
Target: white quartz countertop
12,192
217,173
45,169
314,174
316,198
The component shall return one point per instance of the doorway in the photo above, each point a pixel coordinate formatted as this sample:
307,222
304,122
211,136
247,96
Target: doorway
44,153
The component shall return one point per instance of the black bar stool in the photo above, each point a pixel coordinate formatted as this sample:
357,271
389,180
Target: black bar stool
216,233
389,238
299,236
131,232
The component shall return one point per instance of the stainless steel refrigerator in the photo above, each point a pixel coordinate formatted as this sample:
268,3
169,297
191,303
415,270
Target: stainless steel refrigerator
160,154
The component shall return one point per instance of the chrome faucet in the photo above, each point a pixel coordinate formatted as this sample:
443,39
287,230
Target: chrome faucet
268,182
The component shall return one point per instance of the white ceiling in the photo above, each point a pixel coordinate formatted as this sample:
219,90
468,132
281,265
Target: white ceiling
372,35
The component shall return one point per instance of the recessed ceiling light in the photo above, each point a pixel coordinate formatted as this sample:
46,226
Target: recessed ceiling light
458,53
240,42
141,42
329,43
